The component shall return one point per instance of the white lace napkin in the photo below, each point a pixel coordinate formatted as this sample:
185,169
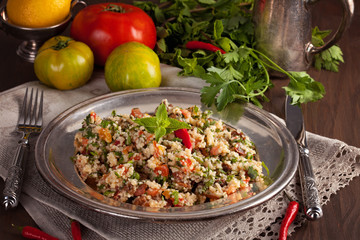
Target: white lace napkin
51,211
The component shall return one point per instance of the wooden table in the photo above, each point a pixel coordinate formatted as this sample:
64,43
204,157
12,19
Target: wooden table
337,116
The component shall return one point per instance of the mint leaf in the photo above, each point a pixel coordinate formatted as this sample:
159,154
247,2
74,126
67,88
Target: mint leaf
150,123
176,125
161,124
159,132
162,116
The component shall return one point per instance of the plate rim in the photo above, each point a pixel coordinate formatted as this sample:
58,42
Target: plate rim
246,204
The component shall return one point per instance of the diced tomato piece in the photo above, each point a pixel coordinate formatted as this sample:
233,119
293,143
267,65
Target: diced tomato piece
136,157
93,115
127,149
186,162
162,170
84,141
231,189
152,192
136,113
158,149
215,150
186,113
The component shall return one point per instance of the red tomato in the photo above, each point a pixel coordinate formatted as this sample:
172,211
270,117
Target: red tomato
105,26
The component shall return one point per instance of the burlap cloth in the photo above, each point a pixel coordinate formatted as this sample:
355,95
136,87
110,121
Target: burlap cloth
334,162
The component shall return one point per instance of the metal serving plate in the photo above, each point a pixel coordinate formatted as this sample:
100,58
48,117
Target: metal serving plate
276,146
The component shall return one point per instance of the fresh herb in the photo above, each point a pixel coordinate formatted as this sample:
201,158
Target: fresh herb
229,178
117,174
252,173
328,59
128,139
239,75
89,133
130,155
161,124
136,176
104,123
175,195
266,168
107,193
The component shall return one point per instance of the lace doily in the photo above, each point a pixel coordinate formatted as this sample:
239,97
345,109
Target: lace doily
335,164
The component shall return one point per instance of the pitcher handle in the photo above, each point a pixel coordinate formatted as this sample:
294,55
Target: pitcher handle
348,12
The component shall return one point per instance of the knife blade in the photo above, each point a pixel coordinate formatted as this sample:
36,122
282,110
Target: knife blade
295,123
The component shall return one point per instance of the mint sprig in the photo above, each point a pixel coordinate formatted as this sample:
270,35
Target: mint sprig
161,124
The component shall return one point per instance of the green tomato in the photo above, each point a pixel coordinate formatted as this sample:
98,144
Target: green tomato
132,65
63,63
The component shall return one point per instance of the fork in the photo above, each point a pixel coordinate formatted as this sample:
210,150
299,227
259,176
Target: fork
29,122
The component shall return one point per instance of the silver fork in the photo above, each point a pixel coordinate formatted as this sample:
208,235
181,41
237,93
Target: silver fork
29,122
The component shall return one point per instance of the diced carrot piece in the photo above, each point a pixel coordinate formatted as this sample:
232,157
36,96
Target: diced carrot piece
105,135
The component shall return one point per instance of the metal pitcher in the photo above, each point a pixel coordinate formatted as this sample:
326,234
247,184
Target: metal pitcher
283,31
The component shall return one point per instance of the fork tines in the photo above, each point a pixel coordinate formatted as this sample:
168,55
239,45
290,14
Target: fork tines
32,109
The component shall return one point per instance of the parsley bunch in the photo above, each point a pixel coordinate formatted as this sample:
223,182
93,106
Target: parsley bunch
237,76
328,59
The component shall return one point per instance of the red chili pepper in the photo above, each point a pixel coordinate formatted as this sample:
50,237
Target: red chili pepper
203,45
35,233
290,215
75,230
184,136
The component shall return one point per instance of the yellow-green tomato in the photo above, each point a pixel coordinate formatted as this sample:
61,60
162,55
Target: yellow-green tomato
132,65
63,63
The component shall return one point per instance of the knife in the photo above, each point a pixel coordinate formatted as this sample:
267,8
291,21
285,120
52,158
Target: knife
295,123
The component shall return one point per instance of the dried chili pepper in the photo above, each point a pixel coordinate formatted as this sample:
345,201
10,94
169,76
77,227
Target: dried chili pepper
35,233
75,230
184,136
203,45
290,215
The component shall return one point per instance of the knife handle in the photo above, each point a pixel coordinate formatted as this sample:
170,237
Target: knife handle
311,197
13,182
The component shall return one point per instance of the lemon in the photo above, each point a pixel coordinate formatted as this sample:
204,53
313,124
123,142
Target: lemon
37,13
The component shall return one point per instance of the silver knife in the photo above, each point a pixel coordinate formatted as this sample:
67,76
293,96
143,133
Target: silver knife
295,123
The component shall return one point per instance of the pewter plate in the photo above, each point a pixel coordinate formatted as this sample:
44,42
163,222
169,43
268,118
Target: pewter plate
275,144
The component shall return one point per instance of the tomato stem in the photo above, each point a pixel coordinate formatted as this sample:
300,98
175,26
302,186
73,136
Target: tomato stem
61,44
114,8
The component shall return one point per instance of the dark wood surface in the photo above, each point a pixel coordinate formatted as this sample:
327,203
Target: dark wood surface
337,116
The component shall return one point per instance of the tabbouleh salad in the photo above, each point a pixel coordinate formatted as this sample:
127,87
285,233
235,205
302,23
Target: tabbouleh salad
130,162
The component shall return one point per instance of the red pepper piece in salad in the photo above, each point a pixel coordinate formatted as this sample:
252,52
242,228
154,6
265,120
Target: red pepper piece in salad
184,136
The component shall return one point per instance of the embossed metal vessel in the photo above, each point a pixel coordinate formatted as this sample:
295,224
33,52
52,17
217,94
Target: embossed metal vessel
283,31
